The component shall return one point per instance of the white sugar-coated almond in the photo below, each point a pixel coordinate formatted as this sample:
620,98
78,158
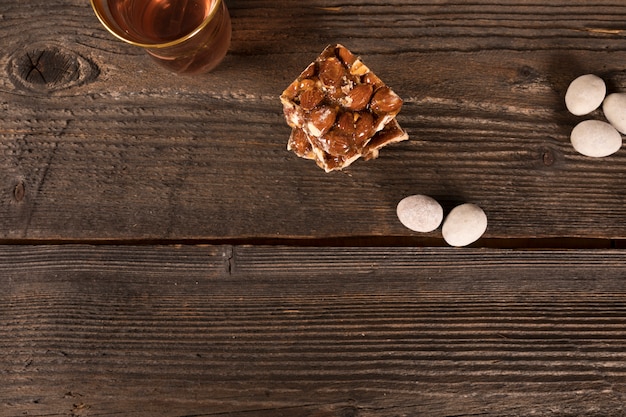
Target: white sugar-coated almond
464,225
585,94
614,108
595,138
420,213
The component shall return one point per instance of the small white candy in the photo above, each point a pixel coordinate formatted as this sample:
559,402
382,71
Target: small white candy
595,138
614,108
420,213
464,225
585,94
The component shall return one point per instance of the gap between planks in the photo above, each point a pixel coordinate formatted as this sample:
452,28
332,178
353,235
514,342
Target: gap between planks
352,241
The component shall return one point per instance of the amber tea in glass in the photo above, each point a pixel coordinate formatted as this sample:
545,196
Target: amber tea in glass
185,36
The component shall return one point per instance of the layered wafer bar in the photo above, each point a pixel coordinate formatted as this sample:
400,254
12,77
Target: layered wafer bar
339,111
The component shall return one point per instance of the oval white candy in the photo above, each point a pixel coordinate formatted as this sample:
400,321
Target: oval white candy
595,138
585,94
464,225
614,108
420,213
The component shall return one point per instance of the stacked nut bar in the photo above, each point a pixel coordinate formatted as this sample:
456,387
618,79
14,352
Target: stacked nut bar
340,111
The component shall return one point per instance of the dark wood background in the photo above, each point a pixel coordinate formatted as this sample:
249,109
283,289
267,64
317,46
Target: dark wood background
162,254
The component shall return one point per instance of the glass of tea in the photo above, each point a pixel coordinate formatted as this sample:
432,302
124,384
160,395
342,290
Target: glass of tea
185,36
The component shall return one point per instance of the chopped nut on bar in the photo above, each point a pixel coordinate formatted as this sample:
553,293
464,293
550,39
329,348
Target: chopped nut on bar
339,111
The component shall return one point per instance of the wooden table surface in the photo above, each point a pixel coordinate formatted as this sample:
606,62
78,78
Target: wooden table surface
163,254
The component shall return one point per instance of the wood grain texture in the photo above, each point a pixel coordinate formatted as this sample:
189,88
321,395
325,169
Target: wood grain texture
114,148
303,332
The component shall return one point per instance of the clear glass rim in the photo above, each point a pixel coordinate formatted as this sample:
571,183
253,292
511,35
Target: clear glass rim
105,22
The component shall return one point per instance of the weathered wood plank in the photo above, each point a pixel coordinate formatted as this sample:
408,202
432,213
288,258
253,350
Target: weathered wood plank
269,331
113,147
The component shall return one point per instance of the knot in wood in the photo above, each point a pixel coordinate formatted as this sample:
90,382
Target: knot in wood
46,68
349,412
548,157
19,191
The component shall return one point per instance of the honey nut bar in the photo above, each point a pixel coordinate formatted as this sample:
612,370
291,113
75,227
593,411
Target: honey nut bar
336,107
